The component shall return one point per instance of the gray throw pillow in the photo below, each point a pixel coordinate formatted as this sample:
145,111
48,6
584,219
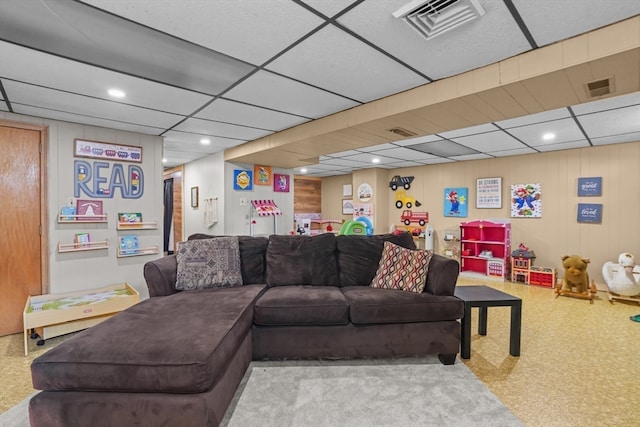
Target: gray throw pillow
208,263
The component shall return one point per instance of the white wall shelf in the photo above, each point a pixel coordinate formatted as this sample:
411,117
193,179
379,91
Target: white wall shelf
79,219
124,253
152,225
79,247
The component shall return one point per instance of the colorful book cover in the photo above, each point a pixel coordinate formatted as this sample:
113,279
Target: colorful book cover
68,213
88,208
82,239
129,244
129,217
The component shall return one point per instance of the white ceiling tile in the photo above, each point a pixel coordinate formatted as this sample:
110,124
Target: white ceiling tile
26,65
490,38
547,19
355,70
405,154
611,122
368,158
564,146
191,141
490,141
278,93
607,103
379,147
473,130
516,152
77,118
24,94
329,8
565,130
417,140
616,139
225,130
545,116
251,31
342,162
478,156
223,110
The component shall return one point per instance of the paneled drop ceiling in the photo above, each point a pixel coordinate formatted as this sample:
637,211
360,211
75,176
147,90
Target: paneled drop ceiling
330,78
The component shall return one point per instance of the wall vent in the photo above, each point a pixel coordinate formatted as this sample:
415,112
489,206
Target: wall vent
402,132
434,17
600,87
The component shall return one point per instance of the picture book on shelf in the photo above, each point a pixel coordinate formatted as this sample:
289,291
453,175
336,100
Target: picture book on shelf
129,244
82,239
68,213
129,217
88,209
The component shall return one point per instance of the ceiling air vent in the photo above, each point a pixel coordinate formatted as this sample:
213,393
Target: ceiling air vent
402,132
600,87
434,17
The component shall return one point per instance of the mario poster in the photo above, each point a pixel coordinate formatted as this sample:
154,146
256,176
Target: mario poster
455,202
526,201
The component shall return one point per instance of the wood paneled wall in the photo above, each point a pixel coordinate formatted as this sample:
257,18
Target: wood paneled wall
307,196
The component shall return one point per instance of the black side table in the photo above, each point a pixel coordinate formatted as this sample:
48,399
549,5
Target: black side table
484,297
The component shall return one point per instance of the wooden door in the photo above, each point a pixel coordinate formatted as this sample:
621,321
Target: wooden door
21,218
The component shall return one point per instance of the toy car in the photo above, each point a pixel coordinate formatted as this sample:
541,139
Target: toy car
403,199
403,181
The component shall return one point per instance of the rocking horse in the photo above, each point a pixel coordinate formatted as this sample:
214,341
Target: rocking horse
623,278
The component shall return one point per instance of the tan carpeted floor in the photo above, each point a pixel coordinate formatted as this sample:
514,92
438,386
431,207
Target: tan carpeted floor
579,362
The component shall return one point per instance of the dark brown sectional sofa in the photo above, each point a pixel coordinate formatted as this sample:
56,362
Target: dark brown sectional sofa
177,358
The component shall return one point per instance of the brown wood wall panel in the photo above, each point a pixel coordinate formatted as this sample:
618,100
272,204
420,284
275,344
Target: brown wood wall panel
307,197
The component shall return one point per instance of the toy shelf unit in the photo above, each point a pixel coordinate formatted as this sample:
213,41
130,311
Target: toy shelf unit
451,246
64,313
523,270
485,246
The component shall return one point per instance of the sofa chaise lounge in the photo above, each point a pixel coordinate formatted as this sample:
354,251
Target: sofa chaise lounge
177,358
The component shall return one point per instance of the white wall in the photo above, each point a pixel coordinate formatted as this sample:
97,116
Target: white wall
77,271
208,175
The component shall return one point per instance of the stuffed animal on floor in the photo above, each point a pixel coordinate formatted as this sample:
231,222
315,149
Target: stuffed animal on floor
622,278
575,274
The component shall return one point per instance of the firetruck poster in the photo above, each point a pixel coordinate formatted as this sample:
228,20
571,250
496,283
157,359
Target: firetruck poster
101,150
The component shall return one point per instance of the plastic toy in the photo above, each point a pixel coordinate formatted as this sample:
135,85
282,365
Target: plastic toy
623,278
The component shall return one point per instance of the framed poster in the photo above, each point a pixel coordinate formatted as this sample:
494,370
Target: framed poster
590,187
281,183
194,197
590,212
489,193
526,201
262,175
365,192
102,150
242,180
455,202
347,207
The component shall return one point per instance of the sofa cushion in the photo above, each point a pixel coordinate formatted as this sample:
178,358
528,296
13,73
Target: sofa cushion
208,263
301,305
302,260
358,256
401,268
151,346
372,305
252,256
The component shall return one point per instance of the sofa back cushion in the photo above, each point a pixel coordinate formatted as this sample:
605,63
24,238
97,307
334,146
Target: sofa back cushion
252,257
302,260
208,263
359,256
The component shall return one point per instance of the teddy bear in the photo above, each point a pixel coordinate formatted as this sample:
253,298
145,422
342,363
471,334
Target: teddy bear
575,274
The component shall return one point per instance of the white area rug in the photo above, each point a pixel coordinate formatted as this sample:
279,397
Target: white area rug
400,392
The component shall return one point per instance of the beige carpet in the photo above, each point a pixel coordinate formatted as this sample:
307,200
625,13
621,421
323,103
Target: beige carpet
400,392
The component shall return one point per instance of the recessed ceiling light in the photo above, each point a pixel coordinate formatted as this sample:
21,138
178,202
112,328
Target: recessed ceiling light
303,170
116,93
375,160
205,141
164,160
548,136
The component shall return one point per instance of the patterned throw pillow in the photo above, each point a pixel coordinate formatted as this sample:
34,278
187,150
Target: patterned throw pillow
208,263
402,269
